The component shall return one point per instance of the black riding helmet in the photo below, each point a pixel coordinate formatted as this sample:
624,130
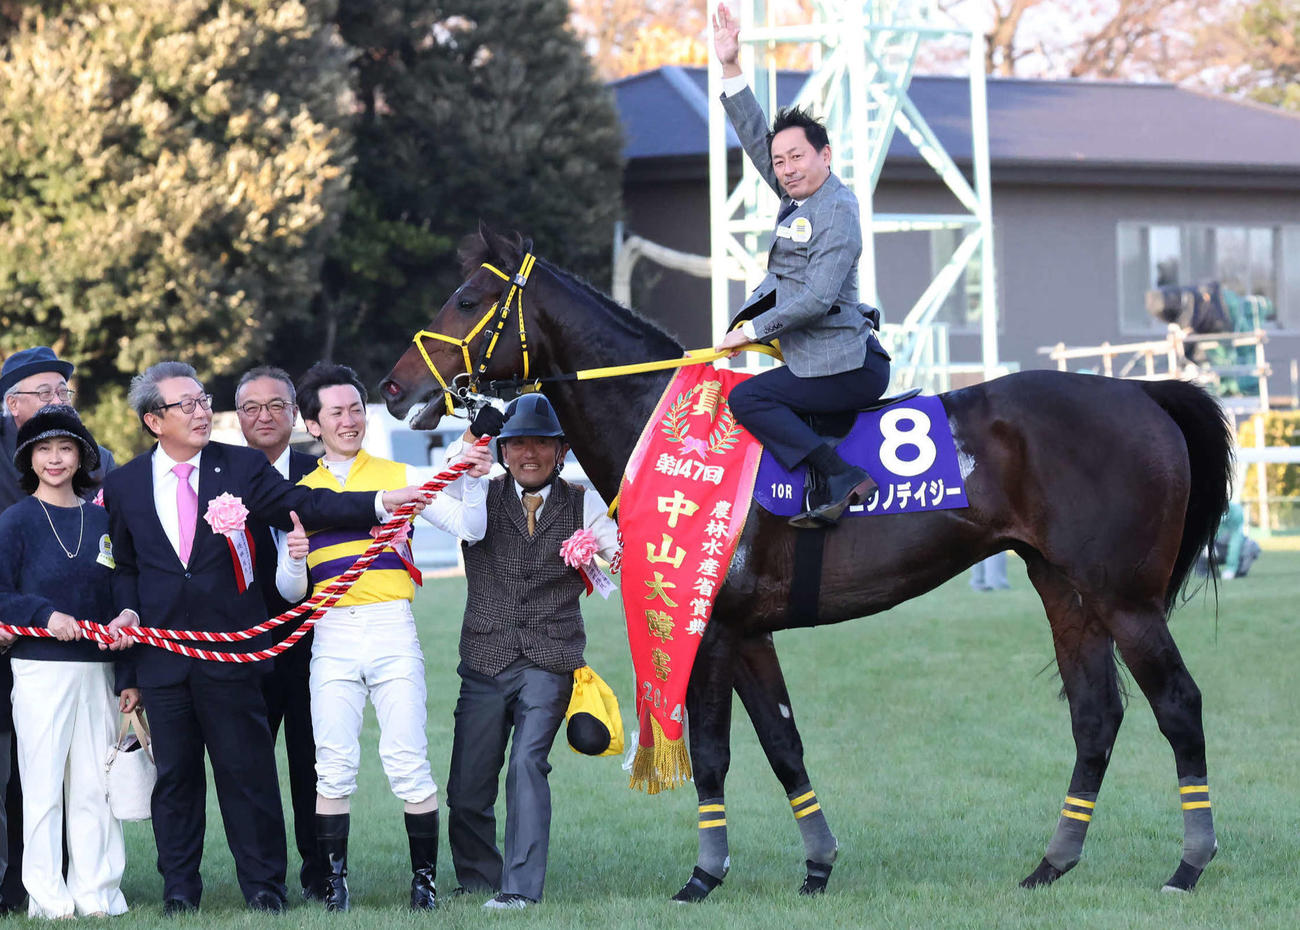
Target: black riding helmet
530,415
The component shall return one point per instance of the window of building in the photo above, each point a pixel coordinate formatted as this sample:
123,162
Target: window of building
1257,267
961,309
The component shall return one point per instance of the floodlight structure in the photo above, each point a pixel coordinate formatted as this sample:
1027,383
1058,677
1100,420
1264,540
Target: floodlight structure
863,54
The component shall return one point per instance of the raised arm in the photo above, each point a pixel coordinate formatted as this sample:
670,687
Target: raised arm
743,111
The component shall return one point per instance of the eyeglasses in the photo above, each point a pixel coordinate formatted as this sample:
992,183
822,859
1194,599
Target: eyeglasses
47,395
187,404
253,409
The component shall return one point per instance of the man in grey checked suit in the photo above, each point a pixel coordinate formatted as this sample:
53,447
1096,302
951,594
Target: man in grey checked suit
809,298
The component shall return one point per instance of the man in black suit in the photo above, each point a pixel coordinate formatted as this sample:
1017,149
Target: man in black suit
176,573
267,405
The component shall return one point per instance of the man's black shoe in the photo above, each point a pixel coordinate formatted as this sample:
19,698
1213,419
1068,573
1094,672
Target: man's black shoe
178,907
852,486
266,901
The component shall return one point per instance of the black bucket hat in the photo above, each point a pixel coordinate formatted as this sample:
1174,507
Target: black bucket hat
51,422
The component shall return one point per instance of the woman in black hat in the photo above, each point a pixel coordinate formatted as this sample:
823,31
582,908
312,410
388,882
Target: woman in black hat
56,569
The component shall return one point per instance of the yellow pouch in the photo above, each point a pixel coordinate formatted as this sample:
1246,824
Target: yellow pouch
595,725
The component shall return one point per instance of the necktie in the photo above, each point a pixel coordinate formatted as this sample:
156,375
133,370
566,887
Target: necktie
187,508
532,502
786,210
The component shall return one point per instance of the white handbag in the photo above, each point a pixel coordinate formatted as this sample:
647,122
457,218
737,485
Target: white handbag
130,771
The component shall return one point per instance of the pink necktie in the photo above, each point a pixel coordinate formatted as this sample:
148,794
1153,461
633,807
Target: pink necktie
187,508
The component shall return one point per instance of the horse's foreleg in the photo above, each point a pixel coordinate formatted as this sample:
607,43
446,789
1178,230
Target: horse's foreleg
1157,666
761,686
708,709
1086,662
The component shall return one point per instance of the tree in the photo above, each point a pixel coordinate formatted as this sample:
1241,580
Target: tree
628,36
1170,40
468,110
1266,46
170,175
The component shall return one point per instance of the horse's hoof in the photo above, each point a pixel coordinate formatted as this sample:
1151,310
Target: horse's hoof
698,888
1186,876
819,873
1045,874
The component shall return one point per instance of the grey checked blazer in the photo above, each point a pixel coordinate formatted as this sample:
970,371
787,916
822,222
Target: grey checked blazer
809,298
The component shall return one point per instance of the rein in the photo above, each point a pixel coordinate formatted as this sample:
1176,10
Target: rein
524,384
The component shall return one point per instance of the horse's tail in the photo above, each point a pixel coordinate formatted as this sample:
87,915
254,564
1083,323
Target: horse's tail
1210,446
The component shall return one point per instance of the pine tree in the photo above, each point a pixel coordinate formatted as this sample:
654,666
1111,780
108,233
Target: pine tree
170,176
469,110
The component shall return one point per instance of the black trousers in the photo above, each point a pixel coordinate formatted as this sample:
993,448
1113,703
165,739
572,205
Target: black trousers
769,405
288,701
530,701
228,719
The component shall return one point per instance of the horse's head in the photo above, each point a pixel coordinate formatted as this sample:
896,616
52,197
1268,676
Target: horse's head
449,350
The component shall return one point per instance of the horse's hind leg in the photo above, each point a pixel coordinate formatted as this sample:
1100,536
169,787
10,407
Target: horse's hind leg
1157,666
761,686
708,709
1086,662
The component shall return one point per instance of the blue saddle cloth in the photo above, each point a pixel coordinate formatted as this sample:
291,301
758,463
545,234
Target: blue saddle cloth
907,447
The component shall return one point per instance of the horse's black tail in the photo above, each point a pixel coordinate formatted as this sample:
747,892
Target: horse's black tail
1210,448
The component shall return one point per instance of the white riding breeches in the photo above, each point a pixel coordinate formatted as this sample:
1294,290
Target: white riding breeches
370,650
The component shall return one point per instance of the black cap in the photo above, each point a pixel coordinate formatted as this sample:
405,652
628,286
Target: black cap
30,362
49,423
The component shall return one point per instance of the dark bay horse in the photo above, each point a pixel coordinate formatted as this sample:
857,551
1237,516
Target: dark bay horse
1107,489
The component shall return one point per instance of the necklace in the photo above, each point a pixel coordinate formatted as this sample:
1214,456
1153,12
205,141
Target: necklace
80,512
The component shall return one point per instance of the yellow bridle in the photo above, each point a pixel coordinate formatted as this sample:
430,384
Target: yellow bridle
499,310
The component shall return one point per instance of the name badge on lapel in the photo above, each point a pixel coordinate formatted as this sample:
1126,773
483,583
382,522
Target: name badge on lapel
799,231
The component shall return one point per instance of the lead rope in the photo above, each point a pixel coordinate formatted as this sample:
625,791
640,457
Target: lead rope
315,607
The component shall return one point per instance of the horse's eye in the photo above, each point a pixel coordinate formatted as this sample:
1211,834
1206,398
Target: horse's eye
466,304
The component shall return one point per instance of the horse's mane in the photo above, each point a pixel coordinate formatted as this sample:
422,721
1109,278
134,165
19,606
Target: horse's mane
486,247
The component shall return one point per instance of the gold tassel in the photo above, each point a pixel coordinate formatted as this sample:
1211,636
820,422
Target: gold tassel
664,764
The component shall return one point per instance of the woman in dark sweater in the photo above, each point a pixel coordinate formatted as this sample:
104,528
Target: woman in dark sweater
58,569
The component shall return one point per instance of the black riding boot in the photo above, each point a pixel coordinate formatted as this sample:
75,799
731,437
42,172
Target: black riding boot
422,833
844,484
332,841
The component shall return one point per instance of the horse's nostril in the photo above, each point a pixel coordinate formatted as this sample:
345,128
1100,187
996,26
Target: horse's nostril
390,388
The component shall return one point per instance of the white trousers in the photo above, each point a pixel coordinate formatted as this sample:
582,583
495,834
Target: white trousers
370,650
65,716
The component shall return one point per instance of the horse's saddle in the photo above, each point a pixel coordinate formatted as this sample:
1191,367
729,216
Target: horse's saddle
832,427
905,442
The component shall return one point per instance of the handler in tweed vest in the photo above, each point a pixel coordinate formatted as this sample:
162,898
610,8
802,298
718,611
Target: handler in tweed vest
521,641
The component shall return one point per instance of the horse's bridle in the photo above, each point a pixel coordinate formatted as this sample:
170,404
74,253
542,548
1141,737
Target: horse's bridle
470,396
501,311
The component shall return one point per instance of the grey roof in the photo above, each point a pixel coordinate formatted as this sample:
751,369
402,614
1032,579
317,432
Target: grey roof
1037,126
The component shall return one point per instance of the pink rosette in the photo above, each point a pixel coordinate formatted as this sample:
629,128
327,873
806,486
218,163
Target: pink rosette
226,514
578,549
99,498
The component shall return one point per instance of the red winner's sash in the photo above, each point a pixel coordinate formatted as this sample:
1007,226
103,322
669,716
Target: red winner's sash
682,506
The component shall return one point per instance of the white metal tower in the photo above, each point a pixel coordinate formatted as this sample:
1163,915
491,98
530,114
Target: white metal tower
864,52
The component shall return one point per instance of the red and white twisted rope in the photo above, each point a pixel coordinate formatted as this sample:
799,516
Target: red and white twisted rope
315,607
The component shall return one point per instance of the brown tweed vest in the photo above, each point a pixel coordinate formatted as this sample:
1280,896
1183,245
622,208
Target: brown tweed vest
522,600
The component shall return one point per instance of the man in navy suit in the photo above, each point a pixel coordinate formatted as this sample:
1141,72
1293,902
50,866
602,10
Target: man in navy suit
178,574
267,405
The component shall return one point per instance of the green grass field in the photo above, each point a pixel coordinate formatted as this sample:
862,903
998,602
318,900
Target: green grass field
941,754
